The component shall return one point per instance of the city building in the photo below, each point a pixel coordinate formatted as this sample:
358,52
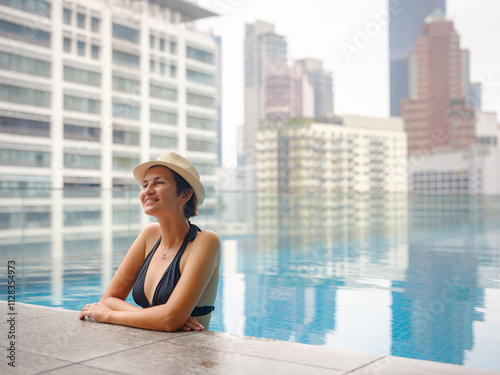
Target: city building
265,54
405,24
88,89
277,90
350,154
322,83
471,171
476,93
306,169
437,111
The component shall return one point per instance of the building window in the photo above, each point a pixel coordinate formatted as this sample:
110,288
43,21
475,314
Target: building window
17,186
125,59
126,85
173,48
200,123
24,64
161,92
123,137
162,44
78,161
126,110
200,100
80,46
173,71
125,33
201,146
95,52
24,158
87,77
197,54
22,95
152,41
162,68
38,7
152,66
164,142
95,24
79,104
88,216
20,126
25,33
205,168
198,77
80,20
122,163
162,117
67,16
66,44
79,132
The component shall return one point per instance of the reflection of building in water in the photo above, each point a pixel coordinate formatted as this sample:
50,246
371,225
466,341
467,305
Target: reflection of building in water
433,309
298,264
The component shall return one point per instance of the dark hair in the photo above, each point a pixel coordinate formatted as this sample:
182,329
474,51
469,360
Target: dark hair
191,206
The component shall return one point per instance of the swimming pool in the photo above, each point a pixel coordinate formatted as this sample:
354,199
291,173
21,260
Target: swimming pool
417,279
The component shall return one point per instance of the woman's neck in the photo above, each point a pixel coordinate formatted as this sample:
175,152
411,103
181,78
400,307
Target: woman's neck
173,230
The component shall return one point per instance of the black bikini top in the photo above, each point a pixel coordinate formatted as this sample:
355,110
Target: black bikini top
169,280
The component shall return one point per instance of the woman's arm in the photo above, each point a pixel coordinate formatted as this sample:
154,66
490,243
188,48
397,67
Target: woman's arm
122,282
199,268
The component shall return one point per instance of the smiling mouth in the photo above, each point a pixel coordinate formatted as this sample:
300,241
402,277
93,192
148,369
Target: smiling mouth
150,201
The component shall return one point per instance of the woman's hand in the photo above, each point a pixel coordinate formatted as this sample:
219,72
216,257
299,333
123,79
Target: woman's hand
97,311
192,324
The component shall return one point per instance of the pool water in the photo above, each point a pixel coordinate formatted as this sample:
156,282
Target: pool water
426,287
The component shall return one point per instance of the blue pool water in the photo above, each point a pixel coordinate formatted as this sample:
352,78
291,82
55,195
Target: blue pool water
424,284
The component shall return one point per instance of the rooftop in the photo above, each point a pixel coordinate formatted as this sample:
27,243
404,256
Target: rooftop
188,11
54,341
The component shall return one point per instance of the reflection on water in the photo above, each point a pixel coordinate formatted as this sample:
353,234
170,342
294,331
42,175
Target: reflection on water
409,276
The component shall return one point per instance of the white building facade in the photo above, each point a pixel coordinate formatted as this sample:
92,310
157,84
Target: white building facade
473,171
351,154
89,89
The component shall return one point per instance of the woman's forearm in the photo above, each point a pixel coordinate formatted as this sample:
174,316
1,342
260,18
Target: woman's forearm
118,304
143,318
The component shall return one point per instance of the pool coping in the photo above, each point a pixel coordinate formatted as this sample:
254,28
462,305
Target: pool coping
53,341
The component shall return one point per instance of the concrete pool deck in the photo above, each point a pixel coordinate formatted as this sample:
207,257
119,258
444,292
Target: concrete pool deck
53,341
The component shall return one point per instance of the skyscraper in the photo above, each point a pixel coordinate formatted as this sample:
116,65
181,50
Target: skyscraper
265,55
322,84
405,24
437,112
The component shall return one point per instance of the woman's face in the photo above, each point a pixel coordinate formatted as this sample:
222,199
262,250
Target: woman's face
159,192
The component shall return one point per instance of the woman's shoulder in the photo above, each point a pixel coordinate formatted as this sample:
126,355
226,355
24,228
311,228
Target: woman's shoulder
208,235
151,230
208,238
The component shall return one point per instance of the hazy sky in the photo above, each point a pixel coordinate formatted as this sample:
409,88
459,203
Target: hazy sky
318,29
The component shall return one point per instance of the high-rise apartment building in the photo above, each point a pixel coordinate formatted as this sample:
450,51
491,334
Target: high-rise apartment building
405,24
351,154
307,172
322,84
88,89
437,110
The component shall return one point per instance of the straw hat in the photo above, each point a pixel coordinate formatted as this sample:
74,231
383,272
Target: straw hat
178,164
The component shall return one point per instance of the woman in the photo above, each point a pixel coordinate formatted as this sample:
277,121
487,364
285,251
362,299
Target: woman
173,266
